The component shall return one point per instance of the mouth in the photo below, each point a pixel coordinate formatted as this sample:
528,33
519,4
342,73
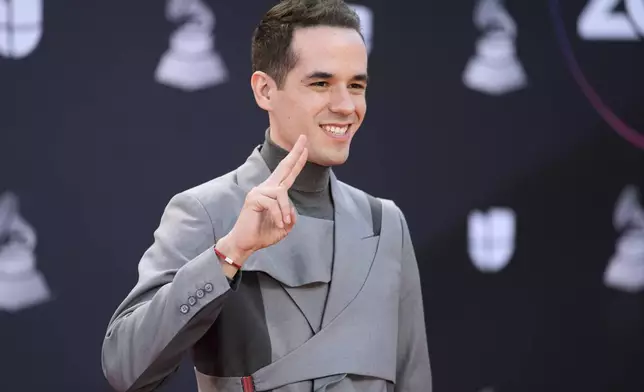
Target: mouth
337,131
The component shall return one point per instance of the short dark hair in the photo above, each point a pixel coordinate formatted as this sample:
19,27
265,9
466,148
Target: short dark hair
271,50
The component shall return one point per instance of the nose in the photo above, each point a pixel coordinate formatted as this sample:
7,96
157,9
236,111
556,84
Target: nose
342,102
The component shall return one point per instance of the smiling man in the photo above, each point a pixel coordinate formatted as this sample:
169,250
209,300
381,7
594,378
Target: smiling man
278,276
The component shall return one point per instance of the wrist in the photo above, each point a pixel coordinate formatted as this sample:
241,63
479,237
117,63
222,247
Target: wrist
228,246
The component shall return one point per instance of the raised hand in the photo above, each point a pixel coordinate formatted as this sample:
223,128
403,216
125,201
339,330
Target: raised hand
267,215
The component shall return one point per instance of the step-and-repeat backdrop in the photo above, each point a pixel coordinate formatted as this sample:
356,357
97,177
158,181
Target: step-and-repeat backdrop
510,133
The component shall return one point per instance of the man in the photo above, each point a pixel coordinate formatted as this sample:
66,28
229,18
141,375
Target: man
277,276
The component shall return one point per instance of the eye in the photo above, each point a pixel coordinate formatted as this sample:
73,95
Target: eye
320,84
358,88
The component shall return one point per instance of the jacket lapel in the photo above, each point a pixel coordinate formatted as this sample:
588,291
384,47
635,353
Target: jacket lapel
354,250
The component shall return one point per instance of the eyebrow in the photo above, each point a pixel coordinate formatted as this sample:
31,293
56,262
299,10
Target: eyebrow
326,75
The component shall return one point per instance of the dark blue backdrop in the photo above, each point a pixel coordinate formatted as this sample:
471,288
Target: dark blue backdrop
93,147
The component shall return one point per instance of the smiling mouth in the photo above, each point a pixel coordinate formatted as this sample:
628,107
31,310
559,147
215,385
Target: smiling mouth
336,130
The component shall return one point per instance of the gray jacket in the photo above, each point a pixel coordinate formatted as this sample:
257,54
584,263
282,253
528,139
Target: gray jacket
258,332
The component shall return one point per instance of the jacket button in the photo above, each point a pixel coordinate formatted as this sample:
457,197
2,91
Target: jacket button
192,301
208,287
184,308
200,293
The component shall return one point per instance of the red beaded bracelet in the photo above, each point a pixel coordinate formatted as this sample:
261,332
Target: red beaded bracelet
227,259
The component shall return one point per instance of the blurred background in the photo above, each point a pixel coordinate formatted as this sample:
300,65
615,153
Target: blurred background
509,132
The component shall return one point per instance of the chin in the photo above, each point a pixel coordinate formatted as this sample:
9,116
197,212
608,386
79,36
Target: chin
334,159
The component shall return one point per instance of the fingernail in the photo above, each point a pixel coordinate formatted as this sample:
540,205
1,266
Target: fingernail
288,220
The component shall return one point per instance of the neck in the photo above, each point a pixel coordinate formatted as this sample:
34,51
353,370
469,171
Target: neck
312,178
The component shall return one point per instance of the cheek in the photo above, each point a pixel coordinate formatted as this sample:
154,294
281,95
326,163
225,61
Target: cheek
317,106
294,110
307,103
361,106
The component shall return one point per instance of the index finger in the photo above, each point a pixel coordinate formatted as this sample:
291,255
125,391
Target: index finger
290,179
286,166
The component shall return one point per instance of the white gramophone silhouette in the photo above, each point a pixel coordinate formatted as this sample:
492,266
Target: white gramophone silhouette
191,62
21,284
495,68
625,270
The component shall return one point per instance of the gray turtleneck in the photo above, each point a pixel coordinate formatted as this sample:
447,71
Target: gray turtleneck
311,196
311,192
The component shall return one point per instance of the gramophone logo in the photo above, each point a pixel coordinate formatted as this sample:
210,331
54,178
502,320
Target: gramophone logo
191,62
494,69
20,27
491,238
600,20
21,284
625,270
600,23
366,23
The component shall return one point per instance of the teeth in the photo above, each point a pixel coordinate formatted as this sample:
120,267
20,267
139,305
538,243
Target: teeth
336,130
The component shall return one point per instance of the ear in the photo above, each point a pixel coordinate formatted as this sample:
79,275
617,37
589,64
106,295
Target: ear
264,88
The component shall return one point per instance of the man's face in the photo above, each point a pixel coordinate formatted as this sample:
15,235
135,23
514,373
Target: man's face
323,97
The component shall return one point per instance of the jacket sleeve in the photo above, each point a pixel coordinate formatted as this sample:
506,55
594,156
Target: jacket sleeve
180,291
413,369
